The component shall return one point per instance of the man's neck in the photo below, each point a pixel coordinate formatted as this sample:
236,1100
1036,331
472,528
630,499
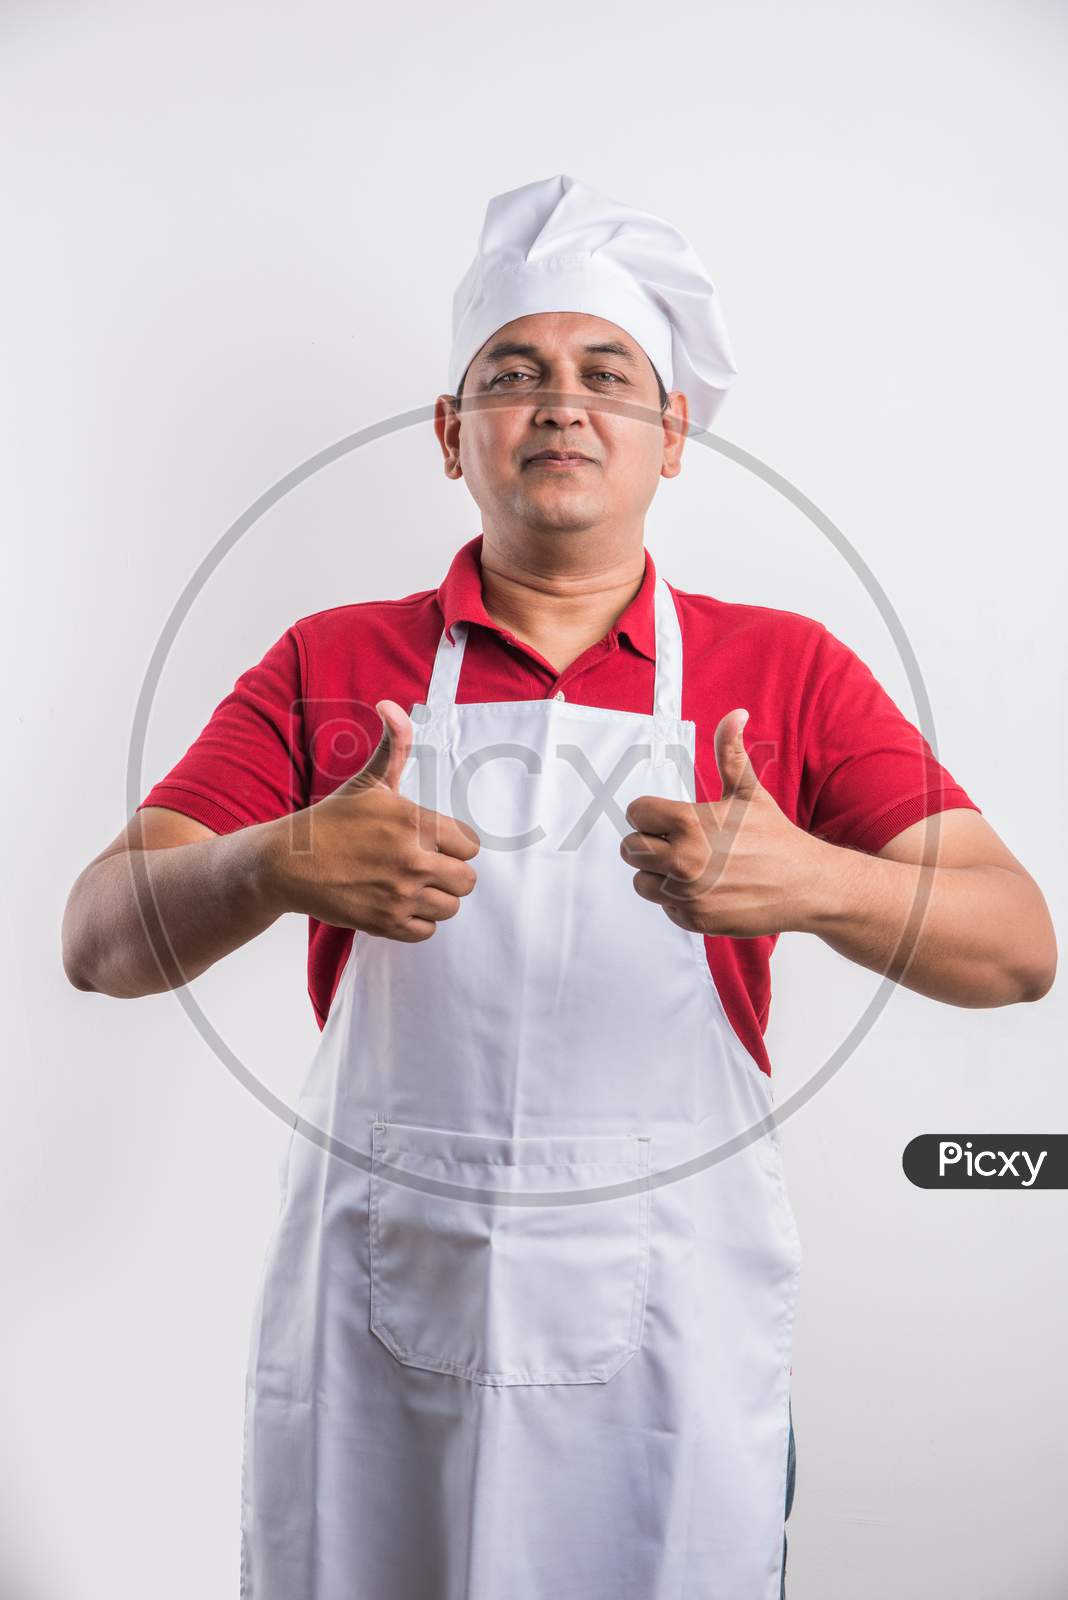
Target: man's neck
559,611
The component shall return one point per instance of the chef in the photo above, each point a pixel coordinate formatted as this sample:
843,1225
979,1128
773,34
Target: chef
525,1325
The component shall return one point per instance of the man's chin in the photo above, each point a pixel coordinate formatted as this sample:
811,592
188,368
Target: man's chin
564,513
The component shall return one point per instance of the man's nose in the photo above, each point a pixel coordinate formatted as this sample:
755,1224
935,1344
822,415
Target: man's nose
559,402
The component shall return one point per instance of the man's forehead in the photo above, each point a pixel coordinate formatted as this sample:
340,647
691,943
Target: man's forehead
544,331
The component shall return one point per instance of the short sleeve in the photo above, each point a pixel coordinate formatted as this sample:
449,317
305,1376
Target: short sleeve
867,772
249,762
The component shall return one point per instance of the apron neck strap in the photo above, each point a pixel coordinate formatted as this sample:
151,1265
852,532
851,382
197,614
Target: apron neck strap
667,691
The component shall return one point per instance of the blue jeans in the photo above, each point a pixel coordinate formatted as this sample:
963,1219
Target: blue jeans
791,1473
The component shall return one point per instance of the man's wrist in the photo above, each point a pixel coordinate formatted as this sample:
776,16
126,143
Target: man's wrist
831,888
265,849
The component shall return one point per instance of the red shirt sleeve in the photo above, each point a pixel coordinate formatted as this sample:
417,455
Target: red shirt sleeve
867,772
249,763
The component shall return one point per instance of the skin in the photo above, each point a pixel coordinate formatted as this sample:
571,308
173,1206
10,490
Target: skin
944,907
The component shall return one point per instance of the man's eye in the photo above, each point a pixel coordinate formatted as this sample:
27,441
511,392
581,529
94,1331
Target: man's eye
515,373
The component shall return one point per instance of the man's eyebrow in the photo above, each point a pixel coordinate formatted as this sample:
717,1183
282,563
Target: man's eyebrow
510,347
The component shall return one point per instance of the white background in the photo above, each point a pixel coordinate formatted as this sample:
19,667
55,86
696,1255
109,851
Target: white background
233,233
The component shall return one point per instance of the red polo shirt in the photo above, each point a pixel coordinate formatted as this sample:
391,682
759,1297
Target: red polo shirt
824,737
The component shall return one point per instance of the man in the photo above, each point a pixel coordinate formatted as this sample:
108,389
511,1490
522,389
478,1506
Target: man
525,1324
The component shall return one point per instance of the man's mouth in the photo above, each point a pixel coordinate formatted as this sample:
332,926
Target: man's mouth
558,459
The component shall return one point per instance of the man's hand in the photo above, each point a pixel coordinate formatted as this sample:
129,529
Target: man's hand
366,856
736,865
943,908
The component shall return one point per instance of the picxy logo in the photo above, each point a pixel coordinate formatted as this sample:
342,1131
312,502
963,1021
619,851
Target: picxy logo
987,1161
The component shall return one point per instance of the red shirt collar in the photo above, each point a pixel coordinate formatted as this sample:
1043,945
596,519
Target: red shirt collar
460,600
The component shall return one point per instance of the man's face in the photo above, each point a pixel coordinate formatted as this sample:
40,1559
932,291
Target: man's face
549,383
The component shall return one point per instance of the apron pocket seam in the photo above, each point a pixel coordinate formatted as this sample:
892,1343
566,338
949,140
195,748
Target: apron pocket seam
523,1297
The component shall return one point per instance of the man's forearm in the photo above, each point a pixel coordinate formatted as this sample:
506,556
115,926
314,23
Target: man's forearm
965,935
143,921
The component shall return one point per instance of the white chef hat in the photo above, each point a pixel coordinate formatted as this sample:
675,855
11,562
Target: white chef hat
558,245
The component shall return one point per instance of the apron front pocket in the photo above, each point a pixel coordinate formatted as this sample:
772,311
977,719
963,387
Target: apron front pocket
495,1292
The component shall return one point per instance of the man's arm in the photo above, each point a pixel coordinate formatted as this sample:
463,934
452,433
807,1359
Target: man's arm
944,907
162,903
168,897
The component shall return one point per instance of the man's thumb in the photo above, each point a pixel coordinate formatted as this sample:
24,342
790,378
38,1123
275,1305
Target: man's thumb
386,762
735,768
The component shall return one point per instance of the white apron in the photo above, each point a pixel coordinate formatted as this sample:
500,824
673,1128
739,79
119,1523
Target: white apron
455,1396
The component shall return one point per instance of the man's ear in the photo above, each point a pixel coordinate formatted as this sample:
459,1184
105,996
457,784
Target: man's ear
447,428
675,421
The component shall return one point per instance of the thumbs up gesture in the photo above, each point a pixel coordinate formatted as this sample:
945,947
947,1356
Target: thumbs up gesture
370,858
386,762
736,866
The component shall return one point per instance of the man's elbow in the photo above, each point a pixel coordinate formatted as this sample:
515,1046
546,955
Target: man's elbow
1032,970
1028,953
78,978
1038,981
78,924
75,961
